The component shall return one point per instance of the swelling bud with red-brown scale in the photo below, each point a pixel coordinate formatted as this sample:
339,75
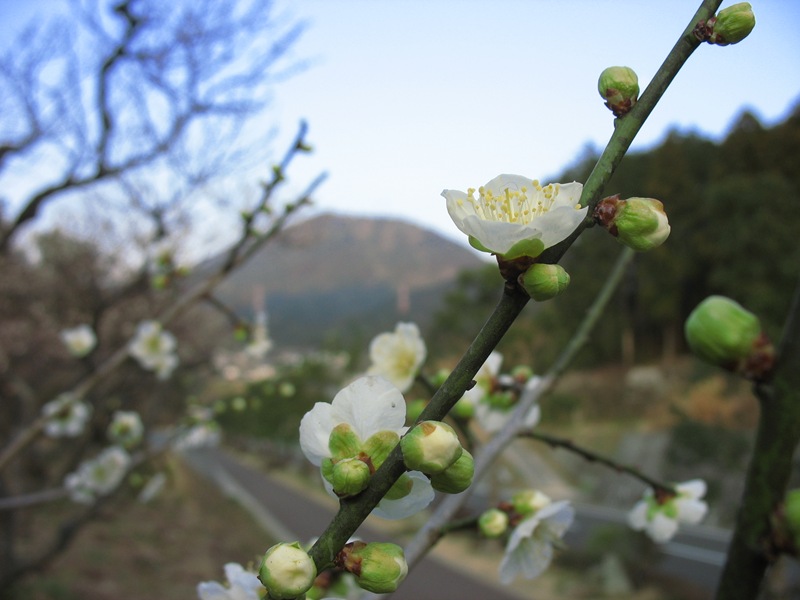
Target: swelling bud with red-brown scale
619,87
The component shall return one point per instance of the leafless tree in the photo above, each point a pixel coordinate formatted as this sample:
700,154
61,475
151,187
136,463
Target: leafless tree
109,96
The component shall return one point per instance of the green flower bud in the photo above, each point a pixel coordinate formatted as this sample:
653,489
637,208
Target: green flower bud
287,571
732,24
464,409
349,477
400,488
379,445
343,442
527,502
543,282
414,409
457,477
440,377
619,86
639,223
502,400
430,447
378,567
723,333
493,523
326,468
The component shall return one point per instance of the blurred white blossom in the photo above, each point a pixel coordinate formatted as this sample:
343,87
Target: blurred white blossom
79,340
66,416
126,428
98,476
154,349
398,355
660,519
240,585
530,547
152,488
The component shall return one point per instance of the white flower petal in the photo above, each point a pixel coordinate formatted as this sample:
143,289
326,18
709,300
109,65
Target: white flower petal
557,517
695,488
398,355
691,511
315,431
369,405
662,528
532,418
211,590
637,518
420,496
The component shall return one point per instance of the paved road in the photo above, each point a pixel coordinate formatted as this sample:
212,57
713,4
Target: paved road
304,518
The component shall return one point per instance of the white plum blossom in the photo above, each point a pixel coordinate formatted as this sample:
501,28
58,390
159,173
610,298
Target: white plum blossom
241,585
98,476
66,416
368,405
490,413
398,355
126,428
660,520
154,349
530,547
79,340
516,216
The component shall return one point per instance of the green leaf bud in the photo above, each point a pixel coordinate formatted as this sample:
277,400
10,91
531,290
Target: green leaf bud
619,86
722,332
378,567
400,488
379,445
543,282
457,477
349,477
430,447
343,442
732,24
493,523
287,571
527,502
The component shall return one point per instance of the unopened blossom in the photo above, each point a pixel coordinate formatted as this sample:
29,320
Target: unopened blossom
660,518
66,416
516,216
126,428
154,349
367,410
98,476
240,585
530,547
79,340
398,355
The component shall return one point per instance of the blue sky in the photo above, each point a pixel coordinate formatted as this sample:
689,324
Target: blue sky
405,98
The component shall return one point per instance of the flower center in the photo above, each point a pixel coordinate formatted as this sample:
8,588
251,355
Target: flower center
514,205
